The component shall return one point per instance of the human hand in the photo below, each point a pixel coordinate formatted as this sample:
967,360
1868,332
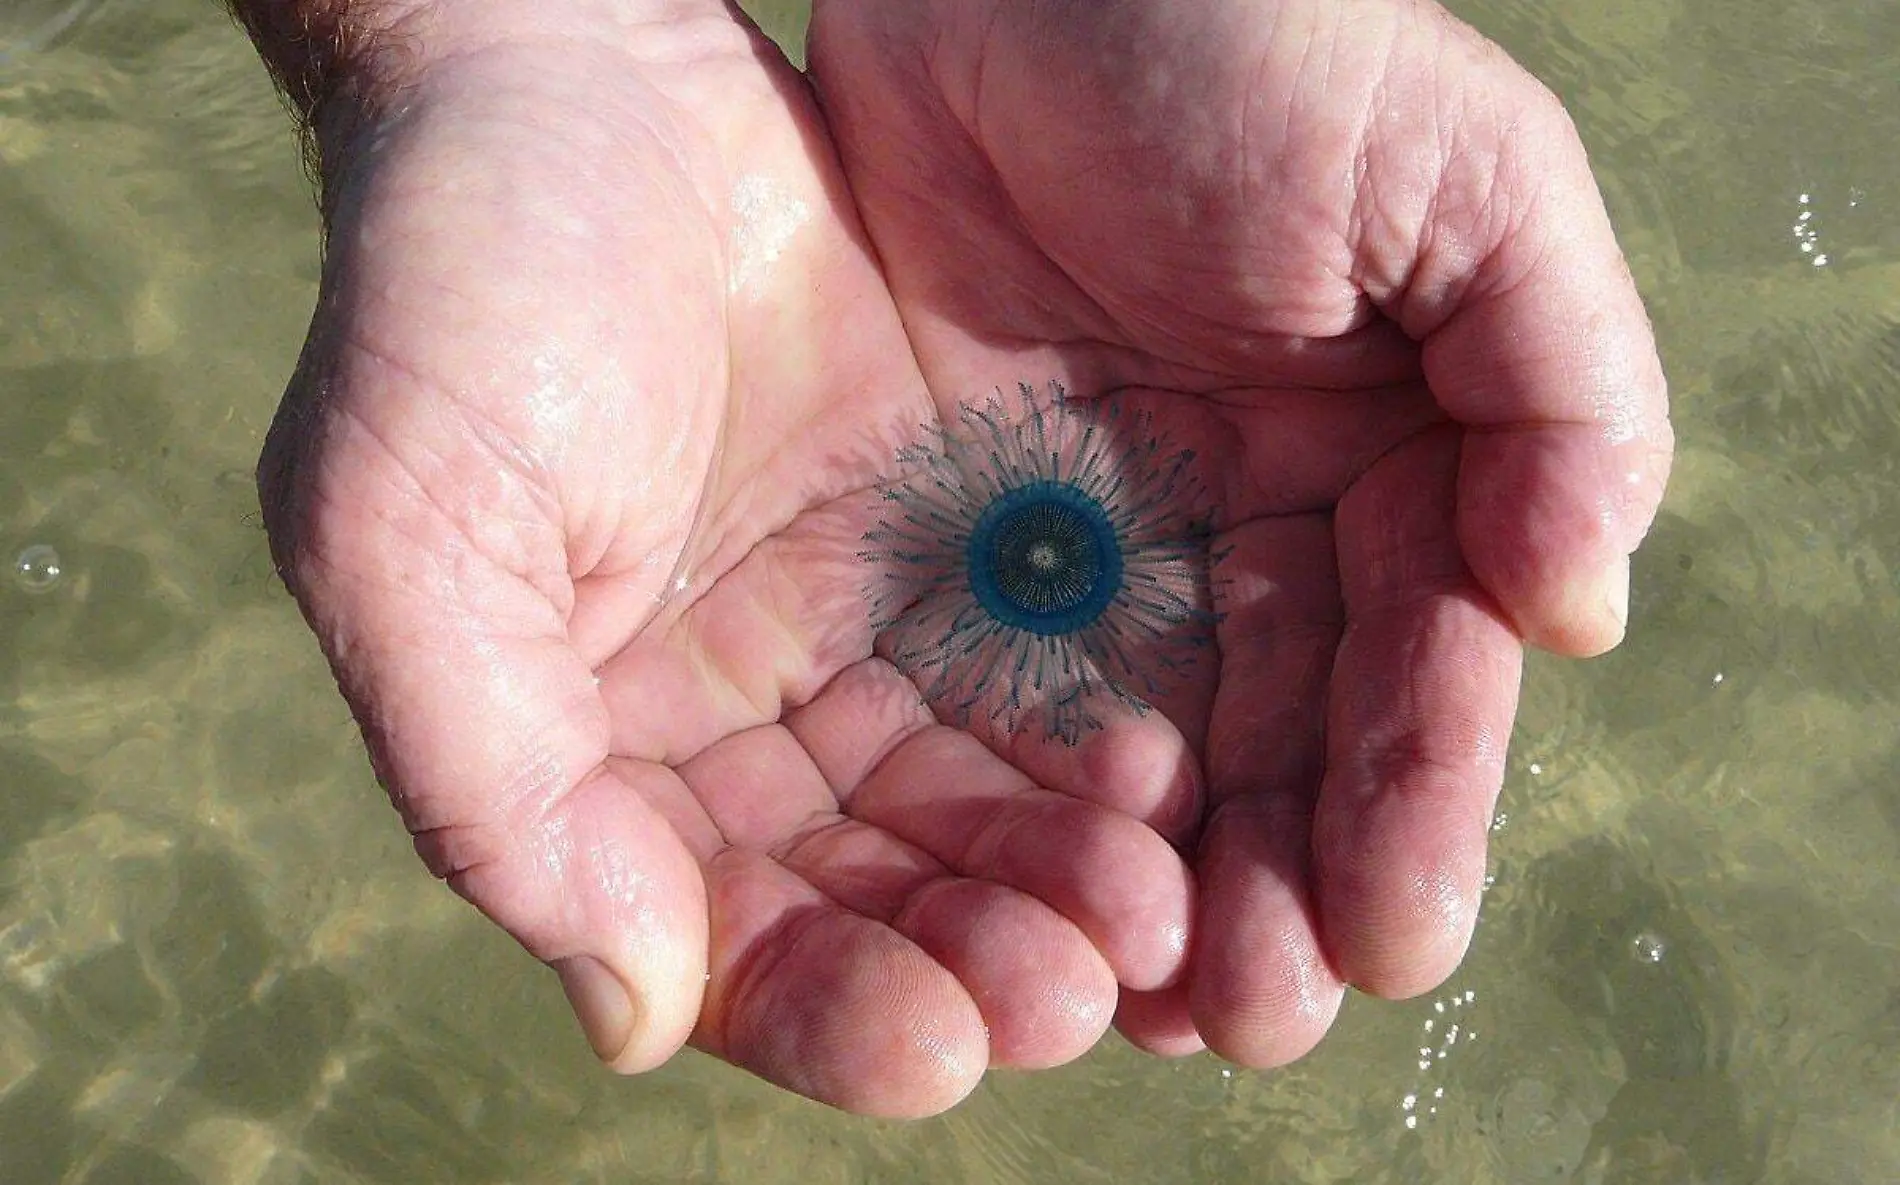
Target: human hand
1356,254
569,481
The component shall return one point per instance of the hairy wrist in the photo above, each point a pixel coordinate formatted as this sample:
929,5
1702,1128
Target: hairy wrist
318,49
334,61
343,64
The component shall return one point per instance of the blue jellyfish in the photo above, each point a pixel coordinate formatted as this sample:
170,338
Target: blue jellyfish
1047,557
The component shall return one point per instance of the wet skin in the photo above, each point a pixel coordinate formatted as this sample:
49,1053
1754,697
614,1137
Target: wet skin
619,323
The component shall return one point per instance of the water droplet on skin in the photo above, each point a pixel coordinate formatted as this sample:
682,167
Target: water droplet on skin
37,569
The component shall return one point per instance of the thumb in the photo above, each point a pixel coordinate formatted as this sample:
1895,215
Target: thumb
1536,340
443,614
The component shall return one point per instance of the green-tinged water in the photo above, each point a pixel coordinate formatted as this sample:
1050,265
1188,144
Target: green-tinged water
220,961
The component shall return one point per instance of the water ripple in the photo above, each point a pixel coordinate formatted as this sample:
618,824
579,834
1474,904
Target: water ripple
32,27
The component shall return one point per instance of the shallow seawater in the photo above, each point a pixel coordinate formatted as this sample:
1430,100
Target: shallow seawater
220,961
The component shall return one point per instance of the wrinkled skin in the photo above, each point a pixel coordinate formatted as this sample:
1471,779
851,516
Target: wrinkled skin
621,321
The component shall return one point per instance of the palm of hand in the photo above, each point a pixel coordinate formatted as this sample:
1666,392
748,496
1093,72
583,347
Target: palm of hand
575,511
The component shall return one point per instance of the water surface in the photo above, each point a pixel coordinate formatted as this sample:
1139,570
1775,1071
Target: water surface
220,962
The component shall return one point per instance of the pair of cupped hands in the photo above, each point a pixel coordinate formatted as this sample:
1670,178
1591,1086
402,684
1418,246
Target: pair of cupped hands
622,320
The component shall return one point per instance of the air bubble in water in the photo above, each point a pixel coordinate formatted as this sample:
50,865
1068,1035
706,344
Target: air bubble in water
1649,947
37,569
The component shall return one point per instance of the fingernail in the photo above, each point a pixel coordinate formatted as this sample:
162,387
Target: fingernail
1616,592
600,1003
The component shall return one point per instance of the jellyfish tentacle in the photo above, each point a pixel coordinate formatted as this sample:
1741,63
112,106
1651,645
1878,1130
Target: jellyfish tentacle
1050,556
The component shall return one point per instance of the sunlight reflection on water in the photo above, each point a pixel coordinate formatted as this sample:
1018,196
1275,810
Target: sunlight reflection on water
219,961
